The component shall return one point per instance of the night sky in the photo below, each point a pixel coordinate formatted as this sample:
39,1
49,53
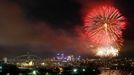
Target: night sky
45,27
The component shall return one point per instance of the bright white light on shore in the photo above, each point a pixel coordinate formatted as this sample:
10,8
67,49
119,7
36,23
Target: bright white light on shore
83,70
34,72
75,70
107,51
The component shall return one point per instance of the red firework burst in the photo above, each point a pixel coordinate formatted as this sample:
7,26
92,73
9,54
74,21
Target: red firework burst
104,25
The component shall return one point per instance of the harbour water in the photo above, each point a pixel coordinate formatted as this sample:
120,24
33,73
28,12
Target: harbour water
114,72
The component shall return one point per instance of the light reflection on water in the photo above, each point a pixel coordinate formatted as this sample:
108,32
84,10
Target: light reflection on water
107,72
103,72
114,72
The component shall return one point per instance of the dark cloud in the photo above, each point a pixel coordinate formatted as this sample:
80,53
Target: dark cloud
59,13
19,34
13,27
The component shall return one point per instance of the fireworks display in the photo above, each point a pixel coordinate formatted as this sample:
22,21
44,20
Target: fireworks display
103,27
107,51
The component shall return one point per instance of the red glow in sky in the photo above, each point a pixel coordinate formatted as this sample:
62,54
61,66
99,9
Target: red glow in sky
104,25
